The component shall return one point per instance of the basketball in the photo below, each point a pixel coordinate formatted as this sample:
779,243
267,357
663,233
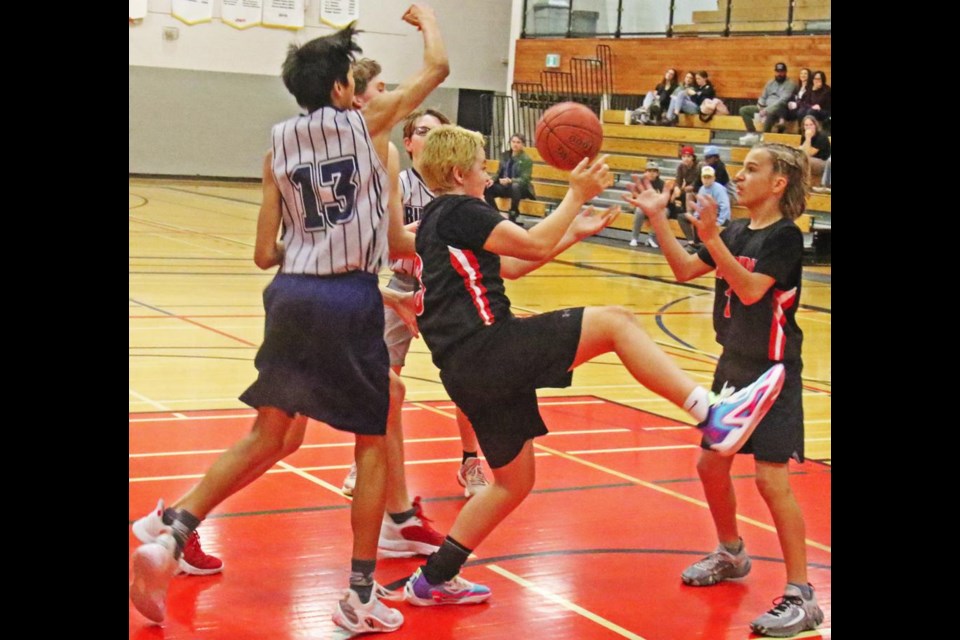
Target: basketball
567,133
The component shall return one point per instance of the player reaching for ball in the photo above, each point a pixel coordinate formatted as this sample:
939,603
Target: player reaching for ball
759,265
491,363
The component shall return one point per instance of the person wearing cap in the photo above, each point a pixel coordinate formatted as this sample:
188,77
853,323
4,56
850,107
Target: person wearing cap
772,104
710,187
651,175
687,174
711,158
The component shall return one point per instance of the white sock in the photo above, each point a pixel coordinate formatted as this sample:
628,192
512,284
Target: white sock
697,404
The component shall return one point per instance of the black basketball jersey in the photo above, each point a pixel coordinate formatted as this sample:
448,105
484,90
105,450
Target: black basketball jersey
461,290
768,328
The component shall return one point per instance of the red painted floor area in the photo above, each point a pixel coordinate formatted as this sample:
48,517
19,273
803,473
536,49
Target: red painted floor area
595,552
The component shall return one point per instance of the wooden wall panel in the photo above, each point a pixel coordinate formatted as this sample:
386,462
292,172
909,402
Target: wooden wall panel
738,66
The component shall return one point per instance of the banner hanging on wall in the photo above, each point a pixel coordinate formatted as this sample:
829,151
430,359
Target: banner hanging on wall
193,11
339,13
138,9
285,14
242,14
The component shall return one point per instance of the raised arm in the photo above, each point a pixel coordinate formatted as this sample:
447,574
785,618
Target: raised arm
539,243
393,106
268,250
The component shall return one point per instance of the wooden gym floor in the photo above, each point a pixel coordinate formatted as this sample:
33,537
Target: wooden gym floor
595,552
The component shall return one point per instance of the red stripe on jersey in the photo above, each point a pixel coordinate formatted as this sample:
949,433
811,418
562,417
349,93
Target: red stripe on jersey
465,263
781,301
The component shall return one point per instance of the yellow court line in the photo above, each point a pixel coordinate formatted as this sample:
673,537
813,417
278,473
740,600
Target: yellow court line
643,483
563,602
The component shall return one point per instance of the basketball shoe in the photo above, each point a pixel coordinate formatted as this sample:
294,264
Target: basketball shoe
791,615
193,561
154,565
412,537
370,617
457,590
733,415
718,566
471,478
350,482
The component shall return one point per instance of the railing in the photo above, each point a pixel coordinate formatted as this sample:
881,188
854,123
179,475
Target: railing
672,18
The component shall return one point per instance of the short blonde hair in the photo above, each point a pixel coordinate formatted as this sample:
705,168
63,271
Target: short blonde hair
446,147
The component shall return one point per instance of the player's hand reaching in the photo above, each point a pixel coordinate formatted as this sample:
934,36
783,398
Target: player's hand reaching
588,180
590,221
706,224
646,198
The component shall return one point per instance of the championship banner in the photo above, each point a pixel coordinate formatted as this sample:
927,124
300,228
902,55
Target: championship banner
193,11
138,9
339,13
285,14
242,14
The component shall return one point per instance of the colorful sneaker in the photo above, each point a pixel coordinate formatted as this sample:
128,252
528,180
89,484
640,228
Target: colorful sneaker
455,591
471,478
193,561
154,565
350,482
791,615
734,415
372,617
415,536
716,567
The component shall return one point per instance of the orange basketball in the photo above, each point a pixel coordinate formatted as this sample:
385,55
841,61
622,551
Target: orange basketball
567,133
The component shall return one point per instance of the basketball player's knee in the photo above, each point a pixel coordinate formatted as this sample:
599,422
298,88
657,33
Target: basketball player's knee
772,488
620,319
398,390
711,469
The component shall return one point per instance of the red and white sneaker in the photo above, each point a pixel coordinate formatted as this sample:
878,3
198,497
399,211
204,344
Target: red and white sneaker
413,537
193,560
471,478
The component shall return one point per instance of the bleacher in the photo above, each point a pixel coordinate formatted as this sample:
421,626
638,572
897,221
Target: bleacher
630,146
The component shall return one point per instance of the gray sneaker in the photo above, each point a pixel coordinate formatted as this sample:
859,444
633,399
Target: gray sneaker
716,567
792,614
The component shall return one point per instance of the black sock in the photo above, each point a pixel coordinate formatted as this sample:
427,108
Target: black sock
446,562
403,516
361,577
468,454
182,523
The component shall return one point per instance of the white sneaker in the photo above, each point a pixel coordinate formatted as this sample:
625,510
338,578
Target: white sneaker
193,561
471,478
350,482
652,242
372,617
633,242
153,567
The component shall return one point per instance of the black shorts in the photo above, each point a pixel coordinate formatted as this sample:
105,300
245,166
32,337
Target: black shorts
323,354
493,377
779,436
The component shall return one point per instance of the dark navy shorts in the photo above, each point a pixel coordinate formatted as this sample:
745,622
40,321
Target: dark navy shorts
493,377
323,354
779,436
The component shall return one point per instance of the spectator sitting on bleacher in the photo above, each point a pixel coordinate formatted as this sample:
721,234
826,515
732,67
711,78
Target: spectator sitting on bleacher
711,158
652,176
513,178
716,191
655,102
817,103
800,97
815,143
772,104
688,100
687,173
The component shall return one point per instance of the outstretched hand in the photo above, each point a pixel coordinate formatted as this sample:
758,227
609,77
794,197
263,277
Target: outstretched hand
406,309
590,222
645,197
589,181
707,227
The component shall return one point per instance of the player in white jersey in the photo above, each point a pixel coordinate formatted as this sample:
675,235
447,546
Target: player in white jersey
323,354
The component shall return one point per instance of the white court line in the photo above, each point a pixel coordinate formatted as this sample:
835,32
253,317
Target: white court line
314,479
625,449
563,602
152,403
